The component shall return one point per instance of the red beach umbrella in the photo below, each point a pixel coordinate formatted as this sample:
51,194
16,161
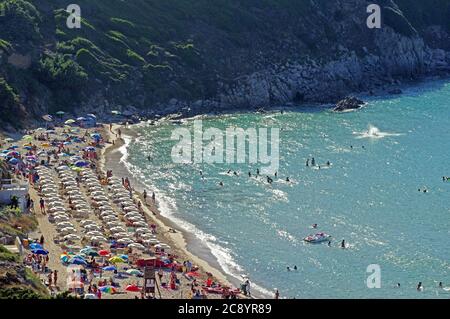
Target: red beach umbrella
133,288
103,252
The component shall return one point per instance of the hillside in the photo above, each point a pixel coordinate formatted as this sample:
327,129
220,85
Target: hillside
202,55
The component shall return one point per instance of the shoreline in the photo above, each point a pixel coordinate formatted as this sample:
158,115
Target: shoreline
182,241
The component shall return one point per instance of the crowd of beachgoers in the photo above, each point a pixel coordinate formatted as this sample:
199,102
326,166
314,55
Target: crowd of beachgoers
97,236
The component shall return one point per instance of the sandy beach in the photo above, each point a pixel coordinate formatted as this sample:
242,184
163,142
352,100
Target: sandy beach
56,178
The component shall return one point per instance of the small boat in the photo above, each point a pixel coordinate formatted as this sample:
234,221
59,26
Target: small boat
317,238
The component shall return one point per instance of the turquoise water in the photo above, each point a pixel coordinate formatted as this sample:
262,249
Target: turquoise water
369,197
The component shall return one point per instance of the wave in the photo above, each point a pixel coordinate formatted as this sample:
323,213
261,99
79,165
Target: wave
374,133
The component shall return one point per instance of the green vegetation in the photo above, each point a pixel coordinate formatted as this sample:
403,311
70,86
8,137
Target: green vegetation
6,255
142,52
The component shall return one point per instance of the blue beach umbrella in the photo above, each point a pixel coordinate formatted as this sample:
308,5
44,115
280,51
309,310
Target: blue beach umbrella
78,261
39,251
109,268
36,246
81,164
13,161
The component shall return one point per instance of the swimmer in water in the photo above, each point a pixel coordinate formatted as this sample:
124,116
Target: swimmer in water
343,244
149,158
229,171
329,243
249,174
420,287
221,184
314,226
287,179
328,163
201,173
269,180
441,285
351,146
235,174
313,162
295,267
307,162
257,172
398,285
288,269
276,174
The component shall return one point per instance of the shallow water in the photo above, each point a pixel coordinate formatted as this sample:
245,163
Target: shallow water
369,197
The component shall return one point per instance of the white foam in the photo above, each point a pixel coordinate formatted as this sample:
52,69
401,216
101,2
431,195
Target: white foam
374,133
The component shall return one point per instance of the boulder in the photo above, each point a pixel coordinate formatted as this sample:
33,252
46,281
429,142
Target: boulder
348,103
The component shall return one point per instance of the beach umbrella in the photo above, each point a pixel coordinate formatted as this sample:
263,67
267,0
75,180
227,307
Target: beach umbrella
103,253
115,112
133,288
8,139
71,237
70,121
193,274
48,118
108,289
12,153
28,148
81,163
87,250
64,258
137,246
78,261
45,145
81,119
27,138
60,113
91,115
135,272
109,268
39,251
116,259
36,246
90,149
99,238
13,161
96,135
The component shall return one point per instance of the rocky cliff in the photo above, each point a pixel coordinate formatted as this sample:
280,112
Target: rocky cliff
205,55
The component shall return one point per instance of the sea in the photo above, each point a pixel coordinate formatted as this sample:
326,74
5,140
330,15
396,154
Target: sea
383,193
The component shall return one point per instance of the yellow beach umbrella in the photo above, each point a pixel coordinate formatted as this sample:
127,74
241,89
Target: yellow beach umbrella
70,121
116,259
45,145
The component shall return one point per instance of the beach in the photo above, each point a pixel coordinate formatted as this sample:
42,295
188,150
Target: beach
72,193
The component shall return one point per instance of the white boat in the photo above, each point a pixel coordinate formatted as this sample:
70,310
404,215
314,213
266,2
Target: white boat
317,238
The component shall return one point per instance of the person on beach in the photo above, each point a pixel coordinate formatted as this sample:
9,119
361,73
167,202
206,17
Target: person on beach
153,197
41,240
49,278
145,196
120,132
55,277
277,294
42,205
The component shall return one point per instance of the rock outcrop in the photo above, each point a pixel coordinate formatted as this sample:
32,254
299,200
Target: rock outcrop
349,103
